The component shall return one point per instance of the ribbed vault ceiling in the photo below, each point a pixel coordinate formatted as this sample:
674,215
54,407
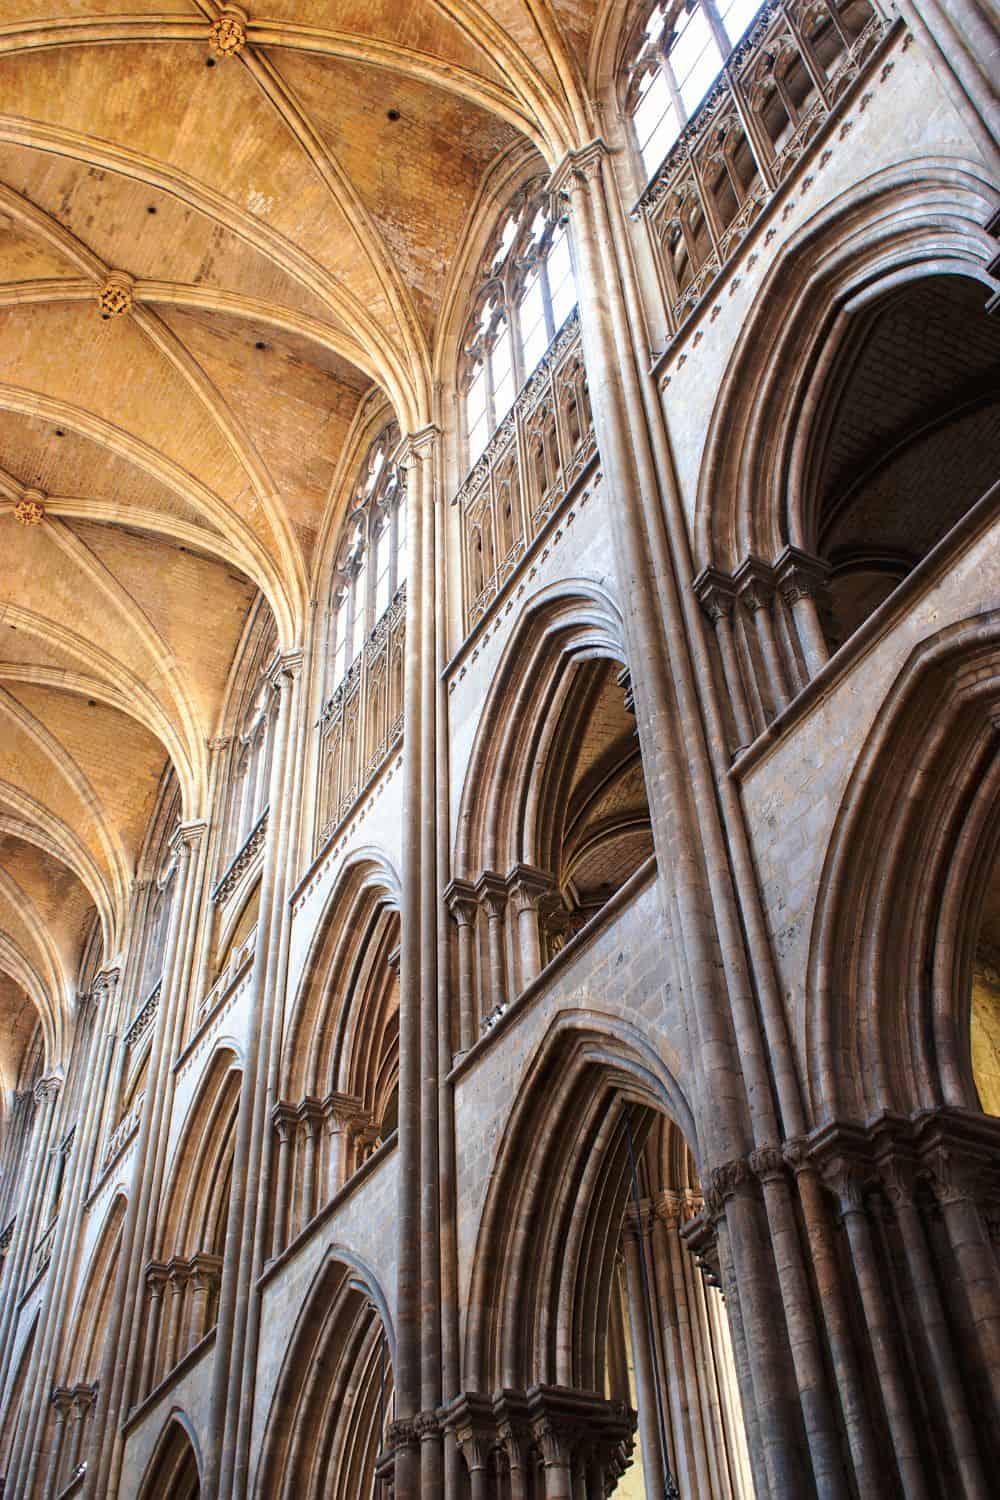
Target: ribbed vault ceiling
311,195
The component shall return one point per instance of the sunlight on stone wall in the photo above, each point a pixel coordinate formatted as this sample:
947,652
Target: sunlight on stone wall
986,1033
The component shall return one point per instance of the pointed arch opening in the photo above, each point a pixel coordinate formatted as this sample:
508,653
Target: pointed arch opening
596,1337
333,1402
173,1472
339,1088
554,816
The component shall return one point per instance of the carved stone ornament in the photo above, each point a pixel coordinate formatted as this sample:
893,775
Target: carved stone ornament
30,509
401,1434
730,1177
228,33
116,295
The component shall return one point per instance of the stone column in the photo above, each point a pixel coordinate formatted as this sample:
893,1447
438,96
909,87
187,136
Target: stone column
119,1371
247,1204
491,892
156,1283
643,1354
526,887
310,1121
178,1273
556,1457
954,1182
83,1400
461,899
854,1403
284,1128
690,1370
755,585
205,1272
343,1113
717,595
47,1092
61,1401
515,1443
802,582
848,1184
665,1224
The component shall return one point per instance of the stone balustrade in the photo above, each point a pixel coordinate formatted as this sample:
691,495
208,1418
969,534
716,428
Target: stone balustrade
778,88
362,722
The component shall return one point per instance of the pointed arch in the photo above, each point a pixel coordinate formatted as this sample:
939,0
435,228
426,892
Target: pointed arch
545,1253
920,218
564,626
900,898
333,1398
174,1471
84,1348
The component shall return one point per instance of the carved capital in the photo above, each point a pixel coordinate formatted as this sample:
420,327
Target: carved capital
716,593
156,1278
427,1425
552,1442
954,1178
577,170
401,1434
730,1177
527,886
767,1163
48,1087
796,1154
754,582
462,903
898,1181
800,576
417,446
491,893
847,1180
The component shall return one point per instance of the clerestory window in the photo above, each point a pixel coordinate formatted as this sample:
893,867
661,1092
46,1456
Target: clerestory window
527,293
680,53
371,565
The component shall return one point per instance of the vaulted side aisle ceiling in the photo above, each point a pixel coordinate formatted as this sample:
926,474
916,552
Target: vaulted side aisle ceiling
219,232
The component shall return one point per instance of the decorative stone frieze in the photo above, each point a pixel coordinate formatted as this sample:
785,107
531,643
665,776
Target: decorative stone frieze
243,859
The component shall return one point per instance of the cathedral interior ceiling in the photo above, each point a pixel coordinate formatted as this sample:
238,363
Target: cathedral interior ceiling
219,231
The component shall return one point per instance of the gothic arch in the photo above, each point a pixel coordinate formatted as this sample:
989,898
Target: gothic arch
85,1346
197,1195
901,224
343,1005
900,897
545,1254
333,1398
174,1471
500,821
338,1084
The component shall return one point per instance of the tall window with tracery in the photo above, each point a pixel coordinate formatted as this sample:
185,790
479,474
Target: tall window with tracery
371,565
363,716
681,51
526,294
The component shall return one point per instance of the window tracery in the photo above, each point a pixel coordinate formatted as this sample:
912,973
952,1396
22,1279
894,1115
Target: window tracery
363,717
371,566
527,292
680,51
